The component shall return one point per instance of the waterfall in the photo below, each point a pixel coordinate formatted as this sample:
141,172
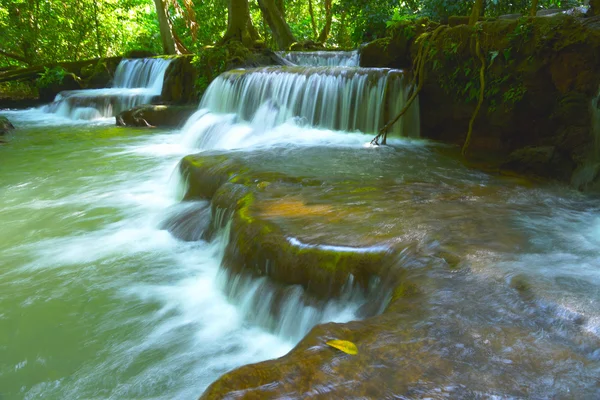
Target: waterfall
146,73
340,98
136,82
322,58
274,106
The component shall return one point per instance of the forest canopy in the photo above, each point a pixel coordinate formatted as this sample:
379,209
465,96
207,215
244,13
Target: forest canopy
35,32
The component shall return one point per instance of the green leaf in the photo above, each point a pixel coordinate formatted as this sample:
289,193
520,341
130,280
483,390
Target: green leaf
493,55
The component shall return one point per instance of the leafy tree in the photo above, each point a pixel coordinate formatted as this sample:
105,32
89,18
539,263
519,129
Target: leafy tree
36,32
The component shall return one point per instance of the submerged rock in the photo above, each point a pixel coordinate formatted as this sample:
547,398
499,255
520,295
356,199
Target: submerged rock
163,116
189,221
5,126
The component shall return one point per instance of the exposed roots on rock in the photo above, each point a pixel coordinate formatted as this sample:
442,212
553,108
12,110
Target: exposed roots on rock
423,55
481,93
417,81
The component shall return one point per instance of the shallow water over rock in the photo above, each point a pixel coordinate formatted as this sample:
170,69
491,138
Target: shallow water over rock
472,307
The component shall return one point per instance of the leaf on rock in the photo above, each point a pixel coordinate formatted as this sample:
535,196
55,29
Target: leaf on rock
343,345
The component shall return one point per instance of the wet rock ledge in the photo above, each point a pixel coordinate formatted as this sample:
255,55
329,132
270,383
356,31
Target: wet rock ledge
149,115
392,224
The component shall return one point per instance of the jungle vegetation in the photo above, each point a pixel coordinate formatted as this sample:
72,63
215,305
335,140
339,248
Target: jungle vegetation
34,32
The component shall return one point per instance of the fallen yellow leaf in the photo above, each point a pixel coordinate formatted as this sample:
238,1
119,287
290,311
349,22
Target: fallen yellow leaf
343,345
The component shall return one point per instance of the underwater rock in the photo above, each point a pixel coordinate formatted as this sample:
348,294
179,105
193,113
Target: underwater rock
189,221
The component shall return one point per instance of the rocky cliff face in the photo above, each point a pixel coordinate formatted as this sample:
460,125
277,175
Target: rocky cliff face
541,81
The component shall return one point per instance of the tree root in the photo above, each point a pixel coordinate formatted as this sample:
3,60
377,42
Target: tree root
415,88
481,94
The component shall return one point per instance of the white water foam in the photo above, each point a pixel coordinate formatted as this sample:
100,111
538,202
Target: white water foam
136,82
322,58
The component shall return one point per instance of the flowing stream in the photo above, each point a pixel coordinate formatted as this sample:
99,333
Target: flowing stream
136,82
98,299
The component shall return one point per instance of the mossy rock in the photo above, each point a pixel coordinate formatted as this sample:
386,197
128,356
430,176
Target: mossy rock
259,246
5,126
180,78
535,68
139,53
164,116
380,367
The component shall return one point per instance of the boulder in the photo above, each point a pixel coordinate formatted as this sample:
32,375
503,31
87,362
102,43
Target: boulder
180,81
543,161
5,126
163,116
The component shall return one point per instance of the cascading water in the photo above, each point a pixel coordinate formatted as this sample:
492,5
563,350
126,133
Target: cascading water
136,82
322,58
256,102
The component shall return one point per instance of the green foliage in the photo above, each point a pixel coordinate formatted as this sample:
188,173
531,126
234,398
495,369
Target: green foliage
399,18
41,31
522,31
51,76
18,90
457,71
368,19
514,94
441,10
210,62
499,7
37,32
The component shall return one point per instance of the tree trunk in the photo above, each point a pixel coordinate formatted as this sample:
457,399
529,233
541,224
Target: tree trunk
475,12
280,6
166,35
281,30
15,57
239,24
534,4
328,18
97,23
342,33
312,18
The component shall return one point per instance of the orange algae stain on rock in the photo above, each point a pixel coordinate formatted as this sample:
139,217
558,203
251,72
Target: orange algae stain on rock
291,207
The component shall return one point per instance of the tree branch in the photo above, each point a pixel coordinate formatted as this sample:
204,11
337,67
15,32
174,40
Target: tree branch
15,57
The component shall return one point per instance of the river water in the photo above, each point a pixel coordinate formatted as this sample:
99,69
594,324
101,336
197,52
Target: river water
99,300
